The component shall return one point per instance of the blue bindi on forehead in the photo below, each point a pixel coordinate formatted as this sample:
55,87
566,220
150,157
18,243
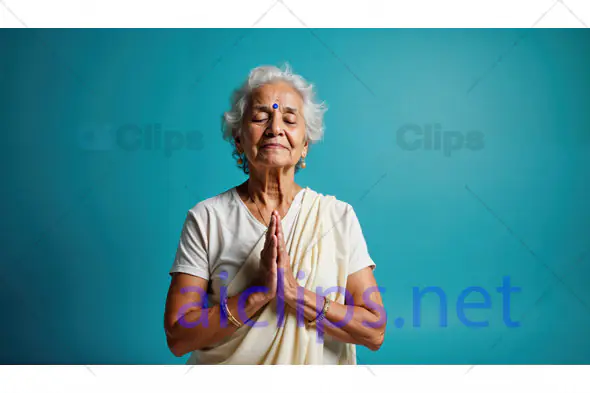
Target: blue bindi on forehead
275,105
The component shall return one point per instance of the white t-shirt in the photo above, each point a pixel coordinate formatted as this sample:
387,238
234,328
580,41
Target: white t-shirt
220,232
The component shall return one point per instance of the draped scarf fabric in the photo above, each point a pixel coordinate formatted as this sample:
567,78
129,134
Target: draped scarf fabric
279,335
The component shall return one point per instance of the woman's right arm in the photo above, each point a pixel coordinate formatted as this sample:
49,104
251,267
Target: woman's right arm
189,326
184,308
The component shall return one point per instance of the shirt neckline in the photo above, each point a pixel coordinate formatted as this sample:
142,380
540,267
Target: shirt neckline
296,201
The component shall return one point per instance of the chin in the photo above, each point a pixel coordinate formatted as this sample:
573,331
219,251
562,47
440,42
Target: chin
274,164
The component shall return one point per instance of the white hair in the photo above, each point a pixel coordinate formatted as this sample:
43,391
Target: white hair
313,111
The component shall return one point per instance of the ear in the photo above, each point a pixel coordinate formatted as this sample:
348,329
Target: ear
237,142
305,149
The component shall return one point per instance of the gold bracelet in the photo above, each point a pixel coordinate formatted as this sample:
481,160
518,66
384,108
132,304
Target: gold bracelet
322,314
229,315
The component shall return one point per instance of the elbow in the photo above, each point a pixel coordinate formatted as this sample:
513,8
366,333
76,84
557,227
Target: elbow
376,336
376,340
172,343
372,339
180,347
177,350
175,345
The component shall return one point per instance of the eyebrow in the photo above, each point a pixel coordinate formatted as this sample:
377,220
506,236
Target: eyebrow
267,108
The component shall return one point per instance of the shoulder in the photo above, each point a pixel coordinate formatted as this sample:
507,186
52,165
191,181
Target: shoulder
213,205
337,209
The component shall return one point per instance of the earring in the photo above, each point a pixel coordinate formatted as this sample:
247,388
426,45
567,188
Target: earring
303,164
240,161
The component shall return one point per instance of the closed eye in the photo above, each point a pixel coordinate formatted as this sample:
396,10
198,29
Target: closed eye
266,119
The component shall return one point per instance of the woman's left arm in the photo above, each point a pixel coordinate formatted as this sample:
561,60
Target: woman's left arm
361,320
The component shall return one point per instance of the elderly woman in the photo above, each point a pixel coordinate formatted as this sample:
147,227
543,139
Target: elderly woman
268,271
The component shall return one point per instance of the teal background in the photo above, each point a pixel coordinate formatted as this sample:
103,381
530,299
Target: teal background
90,229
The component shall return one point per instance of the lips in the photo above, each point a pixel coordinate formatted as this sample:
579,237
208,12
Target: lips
273,146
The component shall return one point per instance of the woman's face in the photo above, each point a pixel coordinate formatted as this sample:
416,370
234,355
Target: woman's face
274,137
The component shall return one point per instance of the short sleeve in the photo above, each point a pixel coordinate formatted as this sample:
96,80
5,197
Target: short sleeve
191,254
359,253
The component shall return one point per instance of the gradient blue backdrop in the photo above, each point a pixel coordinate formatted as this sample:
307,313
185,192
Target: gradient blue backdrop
90,229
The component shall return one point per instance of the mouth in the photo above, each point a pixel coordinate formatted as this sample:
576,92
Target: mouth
273,146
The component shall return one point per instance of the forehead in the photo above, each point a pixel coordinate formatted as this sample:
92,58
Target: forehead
280,92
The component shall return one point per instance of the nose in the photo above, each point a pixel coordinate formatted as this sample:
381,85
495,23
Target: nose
275,126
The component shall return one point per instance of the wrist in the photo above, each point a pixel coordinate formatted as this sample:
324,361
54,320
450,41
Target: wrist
292,295
258,300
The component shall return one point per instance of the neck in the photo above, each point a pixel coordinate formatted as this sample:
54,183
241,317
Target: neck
272,187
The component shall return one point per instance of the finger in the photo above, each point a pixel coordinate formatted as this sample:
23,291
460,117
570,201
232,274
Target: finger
281,235
282,249
274,252
266,240
278,250
267,243
277,221
282,239
270,226
269,231
273,265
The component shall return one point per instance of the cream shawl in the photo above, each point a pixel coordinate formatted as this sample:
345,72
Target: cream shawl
312,246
